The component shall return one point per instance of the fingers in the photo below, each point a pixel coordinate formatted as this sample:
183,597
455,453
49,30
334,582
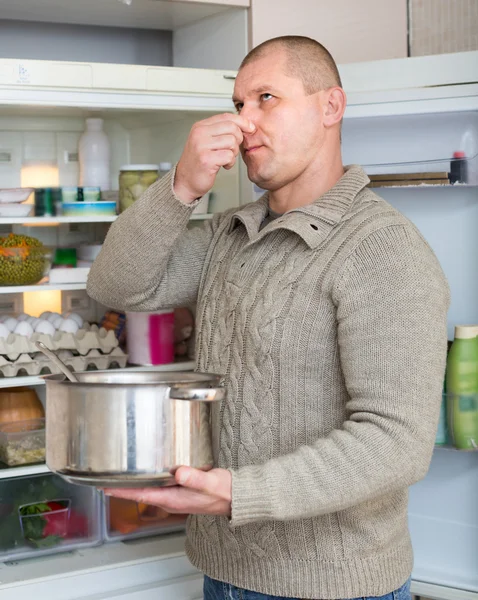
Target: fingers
244,124
226,128
166,498
224,142
194,479
225,158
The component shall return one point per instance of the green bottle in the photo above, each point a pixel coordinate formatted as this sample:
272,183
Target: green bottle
462,388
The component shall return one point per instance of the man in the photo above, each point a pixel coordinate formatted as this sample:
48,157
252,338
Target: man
325,309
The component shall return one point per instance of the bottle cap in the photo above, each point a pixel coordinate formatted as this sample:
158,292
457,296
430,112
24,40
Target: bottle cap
94,124
466,332
459,154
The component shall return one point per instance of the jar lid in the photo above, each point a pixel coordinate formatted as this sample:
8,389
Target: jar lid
139,168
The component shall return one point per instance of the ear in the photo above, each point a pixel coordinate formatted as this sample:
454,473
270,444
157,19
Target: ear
334,103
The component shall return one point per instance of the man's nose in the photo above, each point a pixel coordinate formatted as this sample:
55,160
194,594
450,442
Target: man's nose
252,113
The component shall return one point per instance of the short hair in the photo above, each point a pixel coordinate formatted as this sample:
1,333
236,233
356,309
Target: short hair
306,59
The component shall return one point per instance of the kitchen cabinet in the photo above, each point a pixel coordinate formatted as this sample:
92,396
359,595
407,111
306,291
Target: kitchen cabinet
351,31
182,33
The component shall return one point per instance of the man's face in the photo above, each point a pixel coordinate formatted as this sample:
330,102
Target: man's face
288,132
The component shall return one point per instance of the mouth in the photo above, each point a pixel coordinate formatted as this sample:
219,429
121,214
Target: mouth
251,149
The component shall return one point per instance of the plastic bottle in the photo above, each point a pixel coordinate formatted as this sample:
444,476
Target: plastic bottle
441,436
94,156
462,388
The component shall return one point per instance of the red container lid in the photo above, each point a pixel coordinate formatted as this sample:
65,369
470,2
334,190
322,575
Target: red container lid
459,154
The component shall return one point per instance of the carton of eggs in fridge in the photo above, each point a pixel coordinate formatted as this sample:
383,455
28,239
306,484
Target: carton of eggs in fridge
58,332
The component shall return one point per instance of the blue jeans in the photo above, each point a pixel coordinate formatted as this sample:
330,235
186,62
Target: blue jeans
217,590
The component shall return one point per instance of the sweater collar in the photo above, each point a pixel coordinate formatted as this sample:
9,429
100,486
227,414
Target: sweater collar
312,222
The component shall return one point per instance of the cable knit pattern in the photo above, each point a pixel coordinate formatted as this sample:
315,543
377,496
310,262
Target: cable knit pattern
330,325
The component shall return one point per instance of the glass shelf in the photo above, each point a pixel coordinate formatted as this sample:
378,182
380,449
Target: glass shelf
423,174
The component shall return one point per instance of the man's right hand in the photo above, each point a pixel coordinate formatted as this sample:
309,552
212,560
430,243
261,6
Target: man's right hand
212,143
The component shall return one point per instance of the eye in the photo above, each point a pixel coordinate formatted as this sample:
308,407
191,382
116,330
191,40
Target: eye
238,106
266,96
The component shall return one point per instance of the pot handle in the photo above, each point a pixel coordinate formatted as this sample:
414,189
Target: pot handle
212,394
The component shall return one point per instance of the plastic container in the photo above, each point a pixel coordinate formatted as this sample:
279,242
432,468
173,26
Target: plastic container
24,265
134,180
88,251
462,388
81,209
22,442
125,519
43,514
94,156
69,275
14,195
66,257
15,210
150,337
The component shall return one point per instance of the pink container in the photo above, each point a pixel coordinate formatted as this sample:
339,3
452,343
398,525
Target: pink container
150,337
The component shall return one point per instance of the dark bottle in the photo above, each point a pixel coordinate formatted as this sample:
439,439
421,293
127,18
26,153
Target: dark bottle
459,168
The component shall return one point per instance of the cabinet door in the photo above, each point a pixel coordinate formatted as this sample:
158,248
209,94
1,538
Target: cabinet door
351,31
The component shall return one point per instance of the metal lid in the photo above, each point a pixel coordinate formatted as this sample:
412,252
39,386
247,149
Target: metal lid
139,168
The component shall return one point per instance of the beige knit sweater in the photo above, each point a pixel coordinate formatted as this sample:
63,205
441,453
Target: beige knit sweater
330,324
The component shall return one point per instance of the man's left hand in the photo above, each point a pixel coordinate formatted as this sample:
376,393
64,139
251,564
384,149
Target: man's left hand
197,492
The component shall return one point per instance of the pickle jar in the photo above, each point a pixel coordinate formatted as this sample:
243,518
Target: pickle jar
134,180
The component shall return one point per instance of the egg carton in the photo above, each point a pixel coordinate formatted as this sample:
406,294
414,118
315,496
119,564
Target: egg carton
41,365
84,340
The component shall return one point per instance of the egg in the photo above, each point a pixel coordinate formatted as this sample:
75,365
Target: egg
69,325
22,317
23,328
45,327
52,317
32,321
45,314
4,332
57,322
76,318
10,323
3,318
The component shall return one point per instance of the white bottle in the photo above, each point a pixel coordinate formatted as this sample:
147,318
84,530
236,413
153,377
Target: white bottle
94,156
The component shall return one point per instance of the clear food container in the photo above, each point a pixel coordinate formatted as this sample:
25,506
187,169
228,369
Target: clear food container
22,442
24,265
133,181
125,519
44,514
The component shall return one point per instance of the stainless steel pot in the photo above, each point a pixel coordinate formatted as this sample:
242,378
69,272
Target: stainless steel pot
129,428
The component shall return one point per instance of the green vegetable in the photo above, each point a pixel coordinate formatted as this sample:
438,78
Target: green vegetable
23,260
16,494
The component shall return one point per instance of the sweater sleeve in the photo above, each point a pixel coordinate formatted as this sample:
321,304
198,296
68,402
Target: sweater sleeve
149,259
391,300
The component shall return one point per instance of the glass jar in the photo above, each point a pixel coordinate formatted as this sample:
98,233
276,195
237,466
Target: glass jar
133,181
